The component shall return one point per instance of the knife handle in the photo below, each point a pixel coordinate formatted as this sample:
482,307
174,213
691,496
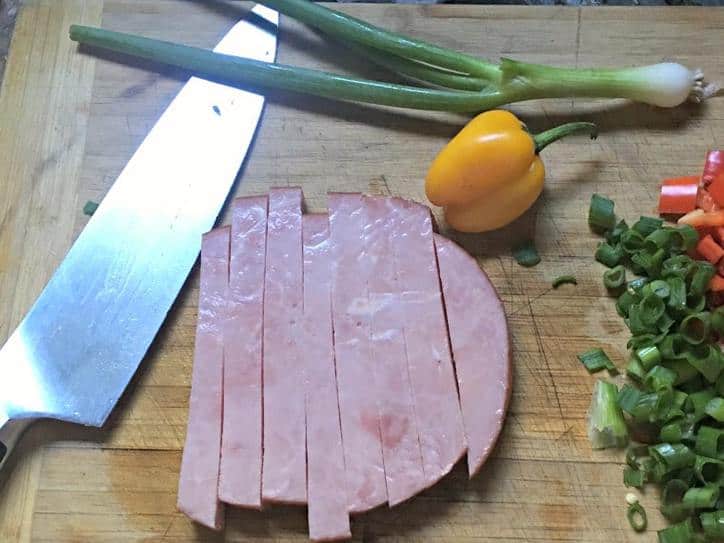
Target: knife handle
9,435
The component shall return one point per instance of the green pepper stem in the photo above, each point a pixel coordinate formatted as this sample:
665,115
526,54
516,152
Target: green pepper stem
544,139
352,29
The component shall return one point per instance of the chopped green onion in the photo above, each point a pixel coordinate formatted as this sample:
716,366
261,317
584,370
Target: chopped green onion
647,225
90,207
635,285
649,262
713,524
659,378
606,427
636,516
563,280
708,470
662,238
596,360
624,302
677,266
601,216
649,356
609,255
697,401
614,278
688,235
673,455
633,477
701,497
715,409
614,236
526,254
717,320
684,372
665,322
720,384
644,340
660,288
679,398
672,347
652,307
671,433
632,242
672,497
677,294
707,361
701,278
695,328
710,442
635,370
633,453
683,532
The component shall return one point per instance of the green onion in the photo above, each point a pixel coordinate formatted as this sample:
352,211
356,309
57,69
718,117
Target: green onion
526,254
660,288
695,328
677,294
650,263
697,401
636,516
708,470
609,255
688,235
665,322
596,360
636,285
717,320
659,378
671,433
635,370
720,384
614,278
715,409
647,225
661,238
624,302
613,237
90,207
713,524
677,266
652,307
672,497
649,356
684,372
644,340
701,278
710,442
632,242
707,361
701,497
683,532
564,279
633,477
672,347
633,453
606,427
601,216
673,455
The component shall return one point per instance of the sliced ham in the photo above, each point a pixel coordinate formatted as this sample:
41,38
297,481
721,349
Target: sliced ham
241,446
480,345
284,458
364,466
398,427
199,479
439,420
326,493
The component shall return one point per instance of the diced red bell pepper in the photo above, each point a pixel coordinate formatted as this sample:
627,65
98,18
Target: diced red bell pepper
713,176
710,249
678,195
701,219
705,201
718,234
716,284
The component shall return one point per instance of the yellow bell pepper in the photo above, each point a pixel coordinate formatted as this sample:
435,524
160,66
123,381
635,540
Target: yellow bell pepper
490,173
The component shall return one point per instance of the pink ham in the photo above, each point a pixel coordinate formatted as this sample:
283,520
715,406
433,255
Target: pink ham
398,427
364,466
439,420
480,345
240,470
284,470
327,510
199,479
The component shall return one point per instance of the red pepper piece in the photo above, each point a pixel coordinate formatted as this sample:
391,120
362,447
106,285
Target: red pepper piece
718,234
717,283
710,249
705,201
713,176
678,195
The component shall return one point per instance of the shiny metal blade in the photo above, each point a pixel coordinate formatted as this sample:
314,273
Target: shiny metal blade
80,344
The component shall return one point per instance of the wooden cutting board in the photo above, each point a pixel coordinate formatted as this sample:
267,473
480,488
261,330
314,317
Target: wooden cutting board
70,122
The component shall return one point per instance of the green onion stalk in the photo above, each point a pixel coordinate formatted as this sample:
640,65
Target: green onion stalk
451,80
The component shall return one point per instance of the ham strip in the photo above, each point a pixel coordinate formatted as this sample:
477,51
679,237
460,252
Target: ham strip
398,427
365,474
284,473
437,407
240,470
327,510
199,478
481,348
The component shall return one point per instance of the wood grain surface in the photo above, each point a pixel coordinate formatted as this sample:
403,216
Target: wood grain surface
70,121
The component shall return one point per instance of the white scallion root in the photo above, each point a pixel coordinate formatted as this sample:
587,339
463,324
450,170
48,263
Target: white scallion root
701,90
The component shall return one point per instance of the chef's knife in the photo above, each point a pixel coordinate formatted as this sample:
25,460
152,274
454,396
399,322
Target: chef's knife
79,345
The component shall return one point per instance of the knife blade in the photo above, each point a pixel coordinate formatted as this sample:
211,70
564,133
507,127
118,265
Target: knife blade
77,348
